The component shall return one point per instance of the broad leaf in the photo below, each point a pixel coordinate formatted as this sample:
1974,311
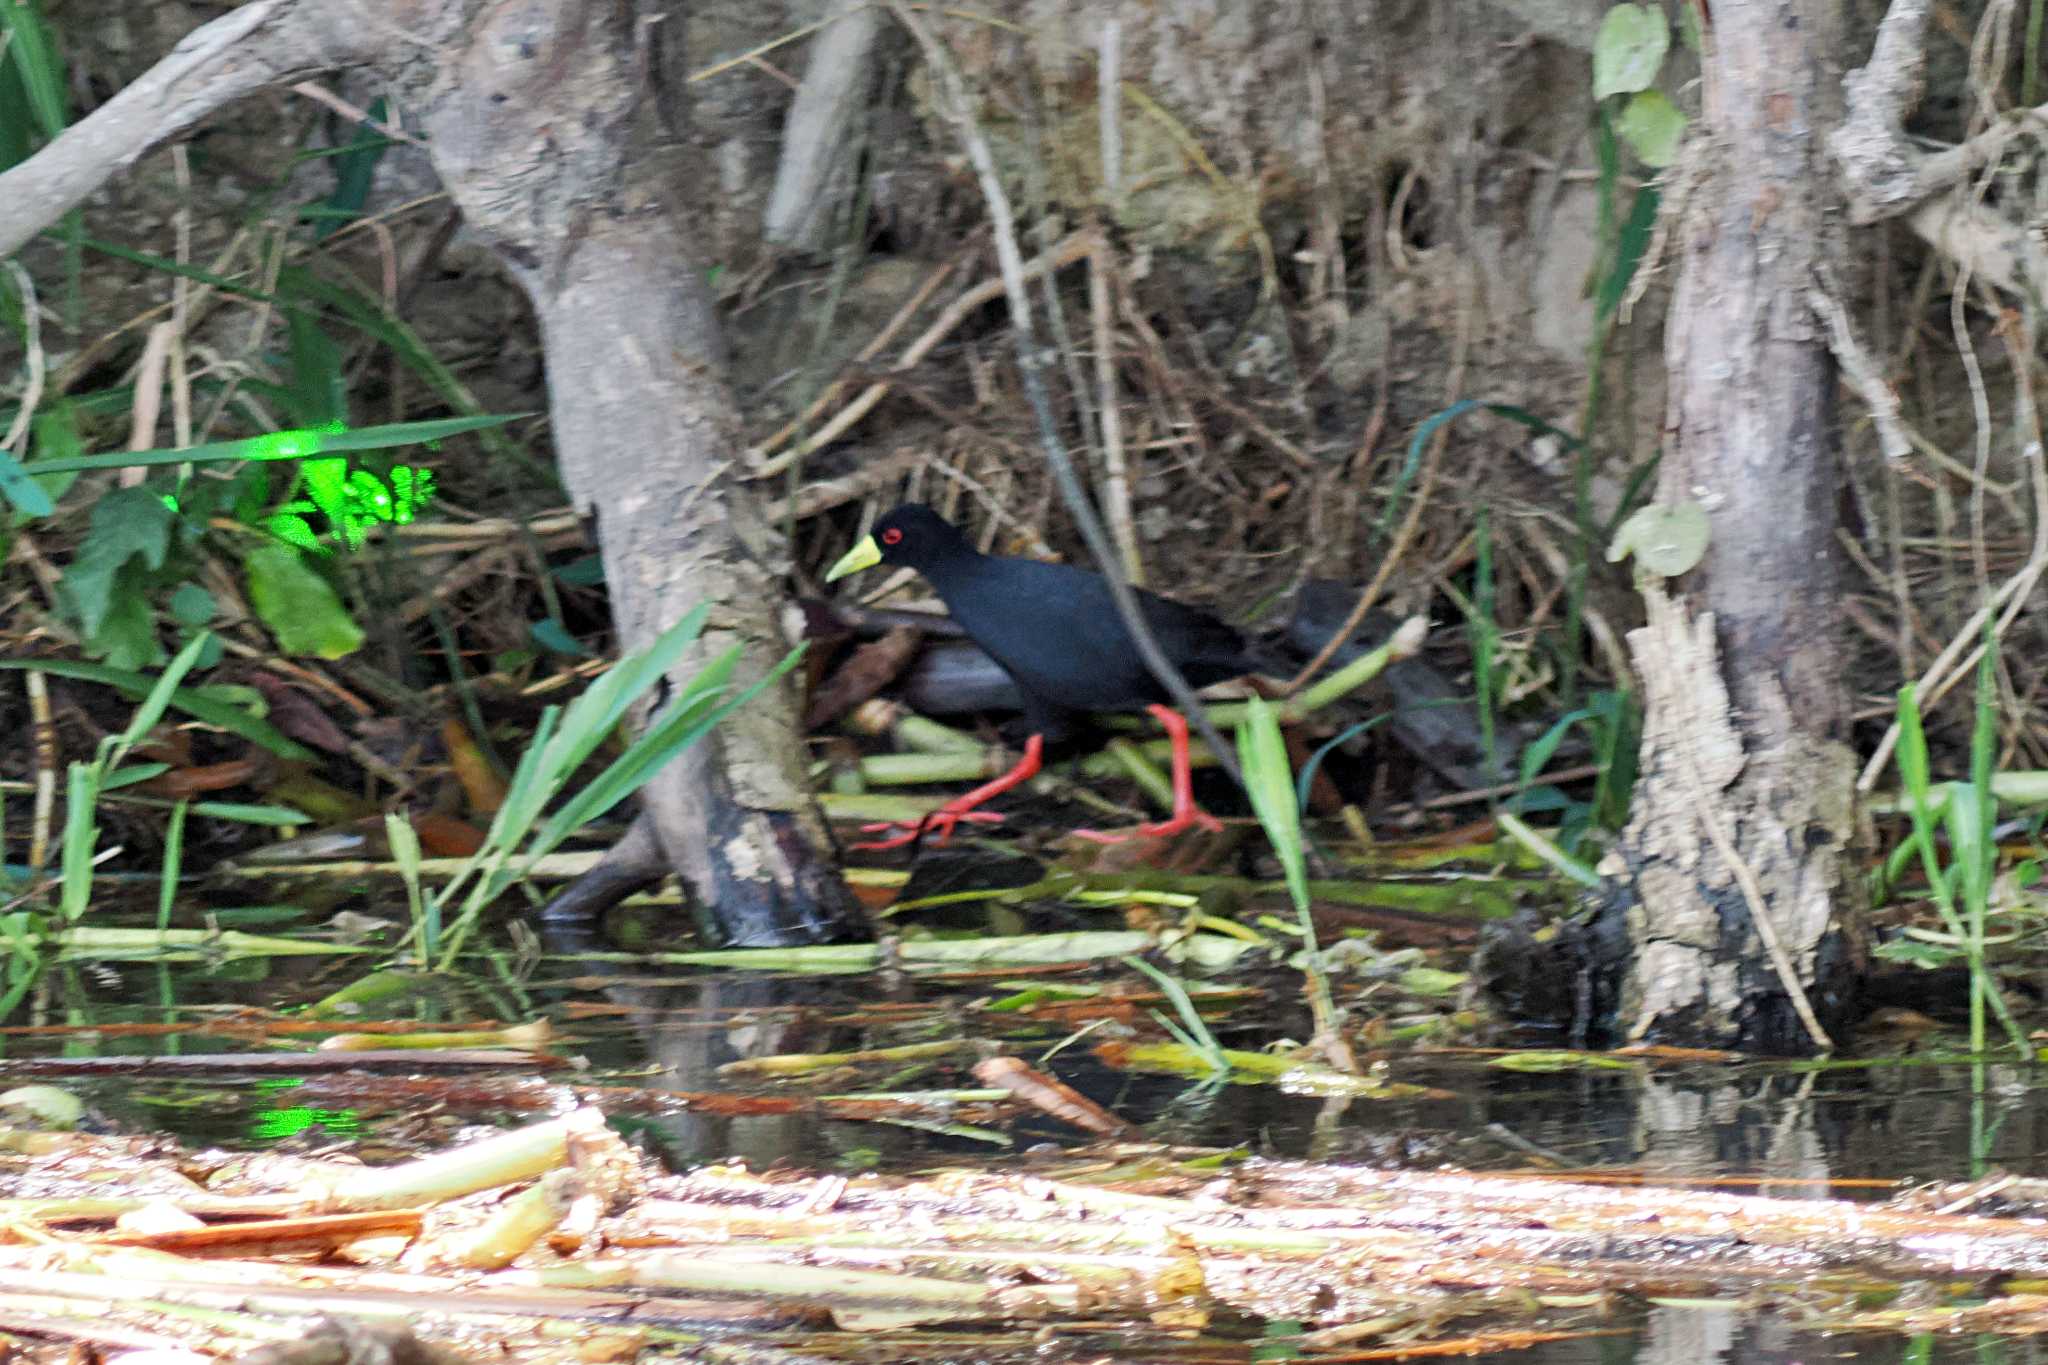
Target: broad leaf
128,523
300,606
1652,126
1629,50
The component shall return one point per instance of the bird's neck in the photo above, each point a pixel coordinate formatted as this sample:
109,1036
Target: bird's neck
957,560
951,573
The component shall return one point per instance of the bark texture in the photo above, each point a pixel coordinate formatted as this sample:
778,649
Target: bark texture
544,130
542,120
1744,744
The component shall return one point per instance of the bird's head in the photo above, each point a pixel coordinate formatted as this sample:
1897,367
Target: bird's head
912,534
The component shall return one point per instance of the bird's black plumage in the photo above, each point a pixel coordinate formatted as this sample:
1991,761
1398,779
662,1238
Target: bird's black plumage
1057,632
1054,627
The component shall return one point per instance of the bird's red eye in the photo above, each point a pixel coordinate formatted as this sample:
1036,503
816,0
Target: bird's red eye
893,536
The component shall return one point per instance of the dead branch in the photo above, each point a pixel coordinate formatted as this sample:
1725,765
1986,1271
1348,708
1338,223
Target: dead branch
1883,173
265,43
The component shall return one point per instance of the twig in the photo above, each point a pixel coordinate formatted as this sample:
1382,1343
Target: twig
43,744
181,304
762,49
1960,656
822,131
1753,895
1116,476
32,331
1879,399
250,48
1409,524
1030,360
755,463
322,95
1109,125
1885,174
911,306
147,405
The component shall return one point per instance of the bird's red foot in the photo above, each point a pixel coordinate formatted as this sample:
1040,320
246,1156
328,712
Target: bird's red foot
1163,829
941,822
960,808
1185,812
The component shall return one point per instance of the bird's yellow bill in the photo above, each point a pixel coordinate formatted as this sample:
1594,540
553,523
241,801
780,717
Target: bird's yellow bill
865,555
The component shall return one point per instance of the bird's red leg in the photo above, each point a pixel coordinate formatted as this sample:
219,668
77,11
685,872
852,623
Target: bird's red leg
1185,811
961,808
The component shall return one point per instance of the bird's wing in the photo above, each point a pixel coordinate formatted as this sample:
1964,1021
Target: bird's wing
1207,649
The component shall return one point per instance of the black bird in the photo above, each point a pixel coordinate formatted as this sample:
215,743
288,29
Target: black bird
1055,629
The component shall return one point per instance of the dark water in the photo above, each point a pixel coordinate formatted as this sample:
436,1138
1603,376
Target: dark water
1905,1116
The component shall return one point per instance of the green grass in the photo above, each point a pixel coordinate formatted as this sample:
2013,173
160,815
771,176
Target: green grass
1269,781
1960,885
523,831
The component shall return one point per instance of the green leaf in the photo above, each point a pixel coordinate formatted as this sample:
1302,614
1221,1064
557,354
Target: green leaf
1915,954
1629,245
35,59
1652,126
1538,1060
550,635
369,314
355,167
56,438
1432,981
702,705
252,815
193,605
1629,50
293,530
126,638
587,572
319,389
128,523
81,836
300,606
15,117
55,432
159,697
1269,781
165,265
199,703
289,445
24,492
128,777
1666,538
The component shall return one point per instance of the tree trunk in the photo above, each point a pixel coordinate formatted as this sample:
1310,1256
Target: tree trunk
543,130
1744,807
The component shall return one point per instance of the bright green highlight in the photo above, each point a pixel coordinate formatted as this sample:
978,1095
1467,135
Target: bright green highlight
353,501
332,439
293,444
